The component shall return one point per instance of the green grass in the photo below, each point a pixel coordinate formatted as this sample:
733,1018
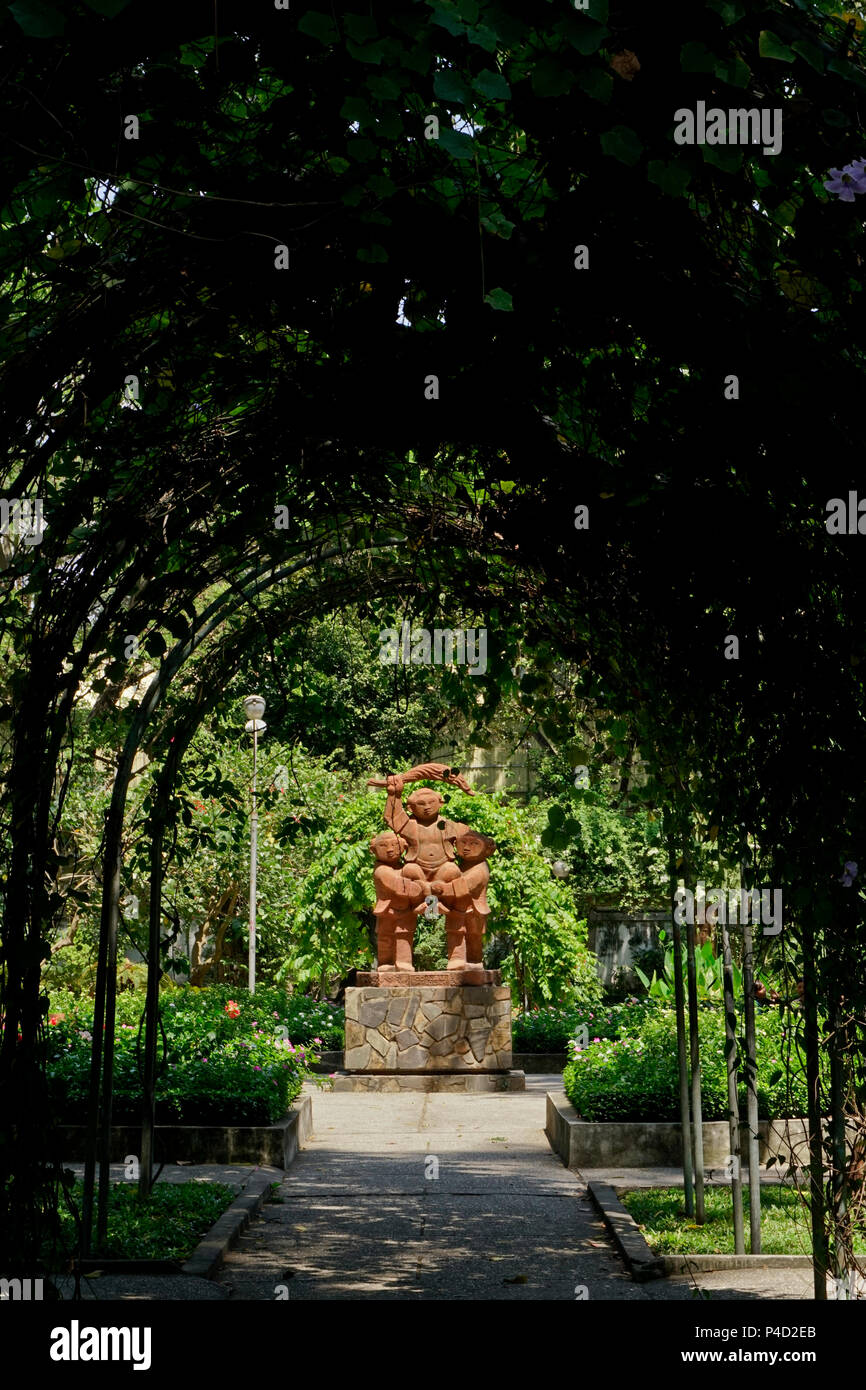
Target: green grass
660,1213
167,1226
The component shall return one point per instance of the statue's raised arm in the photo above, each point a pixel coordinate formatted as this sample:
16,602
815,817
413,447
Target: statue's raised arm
433,772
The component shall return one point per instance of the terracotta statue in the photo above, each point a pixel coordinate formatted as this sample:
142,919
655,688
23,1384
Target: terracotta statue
465,900
431,871
398,901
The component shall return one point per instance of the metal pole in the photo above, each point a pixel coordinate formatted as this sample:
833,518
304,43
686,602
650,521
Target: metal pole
695,1058
817,1197
254,836
751,1069
733,1101
682,1061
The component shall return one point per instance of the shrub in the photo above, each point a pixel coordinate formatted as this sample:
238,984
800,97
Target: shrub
552,1029
635,1076
224,1057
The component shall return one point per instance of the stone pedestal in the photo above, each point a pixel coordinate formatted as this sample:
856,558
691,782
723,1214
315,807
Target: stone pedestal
423,1029
392,977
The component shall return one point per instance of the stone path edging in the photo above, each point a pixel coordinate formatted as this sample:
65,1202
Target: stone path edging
210,1252
705,1264
640,1261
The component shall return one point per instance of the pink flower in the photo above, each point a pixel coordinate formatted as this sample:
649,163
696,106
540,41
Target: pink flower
256,1068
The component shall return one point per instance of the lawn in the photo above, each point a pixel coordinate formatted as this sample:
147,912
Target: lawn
661,1216
168,1225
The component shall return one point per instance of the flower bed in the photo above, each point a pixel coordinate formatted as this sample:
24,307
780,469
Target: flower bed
230,1058
553,1029
635,1076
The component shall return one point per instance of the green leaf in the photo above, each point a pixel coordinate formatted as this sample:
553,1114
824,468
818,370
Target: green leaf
497,223
733,70
368,52
784,214
320,26
596,83
356,109
445,16
586,36
483,37
38,19
834,117
811,52
696,57
729,160
448,85
672,179
492,84
360,27
849,71
550,79
771,46
499,299
457,144
623,144
383,88
729,10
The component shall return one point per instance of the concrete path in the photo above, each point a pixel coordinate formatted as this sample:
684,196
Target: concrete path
358,1217
361,1219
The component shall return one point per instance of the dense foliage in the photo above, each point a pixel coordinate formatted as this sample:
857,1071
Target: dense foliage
552,1029
150,269
225,1060
635,1077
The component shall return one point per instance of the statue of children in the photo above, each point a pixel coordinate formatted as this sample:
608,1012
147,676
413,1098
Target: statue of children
429,836
464,898
399,899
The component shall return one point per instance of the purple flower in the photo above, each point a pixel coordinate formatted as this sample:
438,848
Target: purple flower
849,875
848,181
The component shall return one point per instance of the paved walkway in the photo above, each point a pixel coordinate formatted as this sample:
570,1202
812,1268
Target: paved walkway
361,1219
358,1217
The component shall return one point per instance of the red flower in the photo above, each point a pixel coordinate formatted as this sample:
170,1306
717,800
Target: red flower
232,1009
55,1018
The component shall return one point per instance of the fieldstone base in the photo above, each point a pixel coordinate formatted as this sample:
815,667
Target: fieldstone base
431,1028
428,977
433,1081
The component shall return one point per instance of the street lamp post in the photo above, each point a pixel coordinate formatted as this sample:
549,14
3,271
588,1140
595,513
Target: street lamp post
255,725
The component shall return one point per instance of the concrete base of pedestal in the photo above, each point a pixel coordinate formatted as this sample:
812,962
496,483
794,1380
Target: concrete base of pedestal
428,1028
417,978
432,1081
